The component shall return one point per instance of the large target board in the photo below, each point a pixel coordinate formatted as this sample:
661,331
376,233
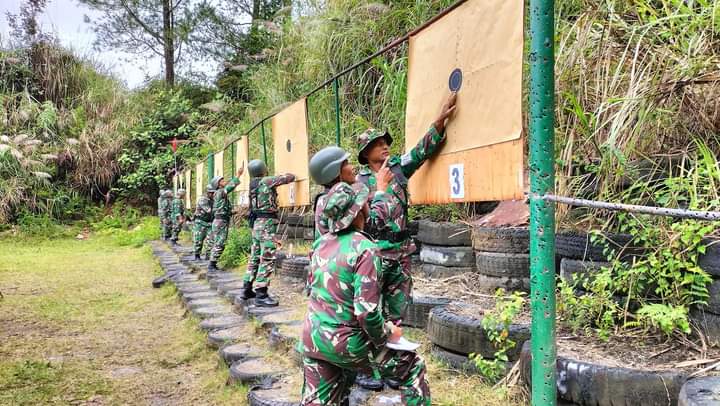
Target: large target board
290,140
241,161
218,160
188,185
199,184
481,42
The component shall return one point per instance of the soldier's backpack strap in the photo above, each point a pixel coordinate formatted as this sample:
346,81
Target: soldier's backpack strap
252,215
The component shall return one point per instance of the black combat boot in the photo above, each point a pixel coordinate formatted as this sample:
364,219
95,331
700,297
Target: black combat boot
262,298
369,382
212,268
197,257
247,291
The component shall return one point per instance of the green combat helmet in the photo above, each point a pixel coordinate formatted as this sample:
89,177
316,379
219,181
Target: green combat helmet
210,189
325,165
257,168
167,193
366,138
214,183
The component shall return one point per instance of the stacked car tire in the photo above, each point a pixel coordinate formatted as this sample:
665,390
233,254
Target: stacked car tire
502,257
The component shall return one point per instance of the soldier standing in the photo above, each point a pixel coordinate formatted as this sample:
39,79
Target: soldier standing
202,220
177,215
263,212
391,227
222,212
344,328
166,206
161,212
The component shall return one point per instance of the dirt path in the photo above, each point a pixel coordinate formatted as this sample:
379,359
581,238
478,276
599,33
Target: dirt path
80,325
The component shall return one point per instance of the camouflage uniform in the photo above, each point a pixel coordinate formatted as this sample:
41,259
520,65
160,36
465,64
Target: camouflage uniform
202,223
161,214
344,331
390,226
165,208
177,216
264,206
222,211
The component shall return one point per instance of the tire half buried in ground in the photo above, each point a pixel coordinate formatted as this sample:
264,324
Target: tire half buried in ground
223,322
254,370
221,338
273,396
703,391
587,383
237,352
419,309
465,334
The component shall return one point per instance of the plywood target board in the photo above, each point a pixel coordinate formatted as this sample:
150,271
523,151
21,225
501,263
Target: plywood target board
290,139
188,183
483,39
241,161
175,184
199,176
218,163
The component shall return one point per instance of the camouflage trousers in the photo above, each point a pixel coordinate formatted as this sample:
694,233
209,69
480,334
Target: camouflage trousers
397,288
262,253
166,226
329,384
201,231
176,228
219,235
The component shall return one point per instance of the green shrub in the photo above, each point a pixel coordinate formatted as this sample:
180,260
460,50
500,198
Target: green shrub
237,247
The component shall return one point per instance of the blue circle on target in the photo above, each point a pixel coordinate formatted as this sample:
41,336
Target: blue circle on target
455,81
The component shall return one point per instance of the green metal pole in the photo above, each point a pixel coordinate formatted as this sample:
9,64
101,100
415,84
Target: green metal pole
210,166
232,158
262,133
337,111
542,213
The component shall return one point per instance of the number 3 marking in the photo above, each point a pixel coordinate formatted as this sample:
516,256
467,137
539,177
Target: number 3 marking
457,181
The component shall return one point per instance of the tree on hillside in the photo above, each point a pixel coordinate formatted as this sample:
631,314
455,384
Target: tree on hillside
160,27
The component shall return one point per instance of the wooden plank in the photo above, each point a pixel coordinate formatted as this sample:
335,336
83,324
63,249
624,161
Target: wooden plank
494,172
188,183
242,149
483,38
290,141
175,184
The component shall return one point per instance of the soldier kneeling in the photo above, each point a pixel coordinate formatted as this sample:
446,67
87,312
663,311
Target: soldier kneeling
344,331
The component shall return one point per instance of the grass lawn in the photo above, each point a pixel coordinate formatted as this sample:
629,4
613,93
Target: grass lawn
80,324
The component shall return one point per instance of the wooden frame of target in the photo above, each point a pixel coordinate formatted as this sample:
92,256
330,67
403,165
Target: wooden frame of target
242,148
175,181
482,157
290,141
218,160
188,185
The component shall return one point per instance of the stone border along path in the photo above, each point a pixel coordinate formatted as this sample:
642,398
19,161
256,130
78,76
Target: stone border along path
227,327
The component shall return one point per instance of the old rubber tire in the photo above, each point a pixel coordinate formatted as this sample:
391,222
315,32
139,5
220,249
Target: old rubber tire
579,245
419,309
490,284
160,281
271,397
587,383
220,323
710,260
703,391
445,233
238,352
465,335
438,271
447,256
294,267
254,370
224,337
200,295
709,324
508,240
713,302
577,269
460,362
503,265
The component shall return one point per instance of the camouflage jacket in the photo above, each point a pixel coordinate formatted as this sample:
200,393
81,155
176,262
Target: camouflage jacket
263,199
178,208
204,209
396,197
165,206
222,209
344,322
321,222
160,207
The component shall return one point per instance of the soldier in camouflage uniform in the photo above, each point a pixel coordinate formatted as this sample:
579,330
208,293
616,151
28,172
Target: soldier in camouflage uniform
263,208
390,227
344,331
165,208
222,212
161,212
328,167
202,220
177,214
